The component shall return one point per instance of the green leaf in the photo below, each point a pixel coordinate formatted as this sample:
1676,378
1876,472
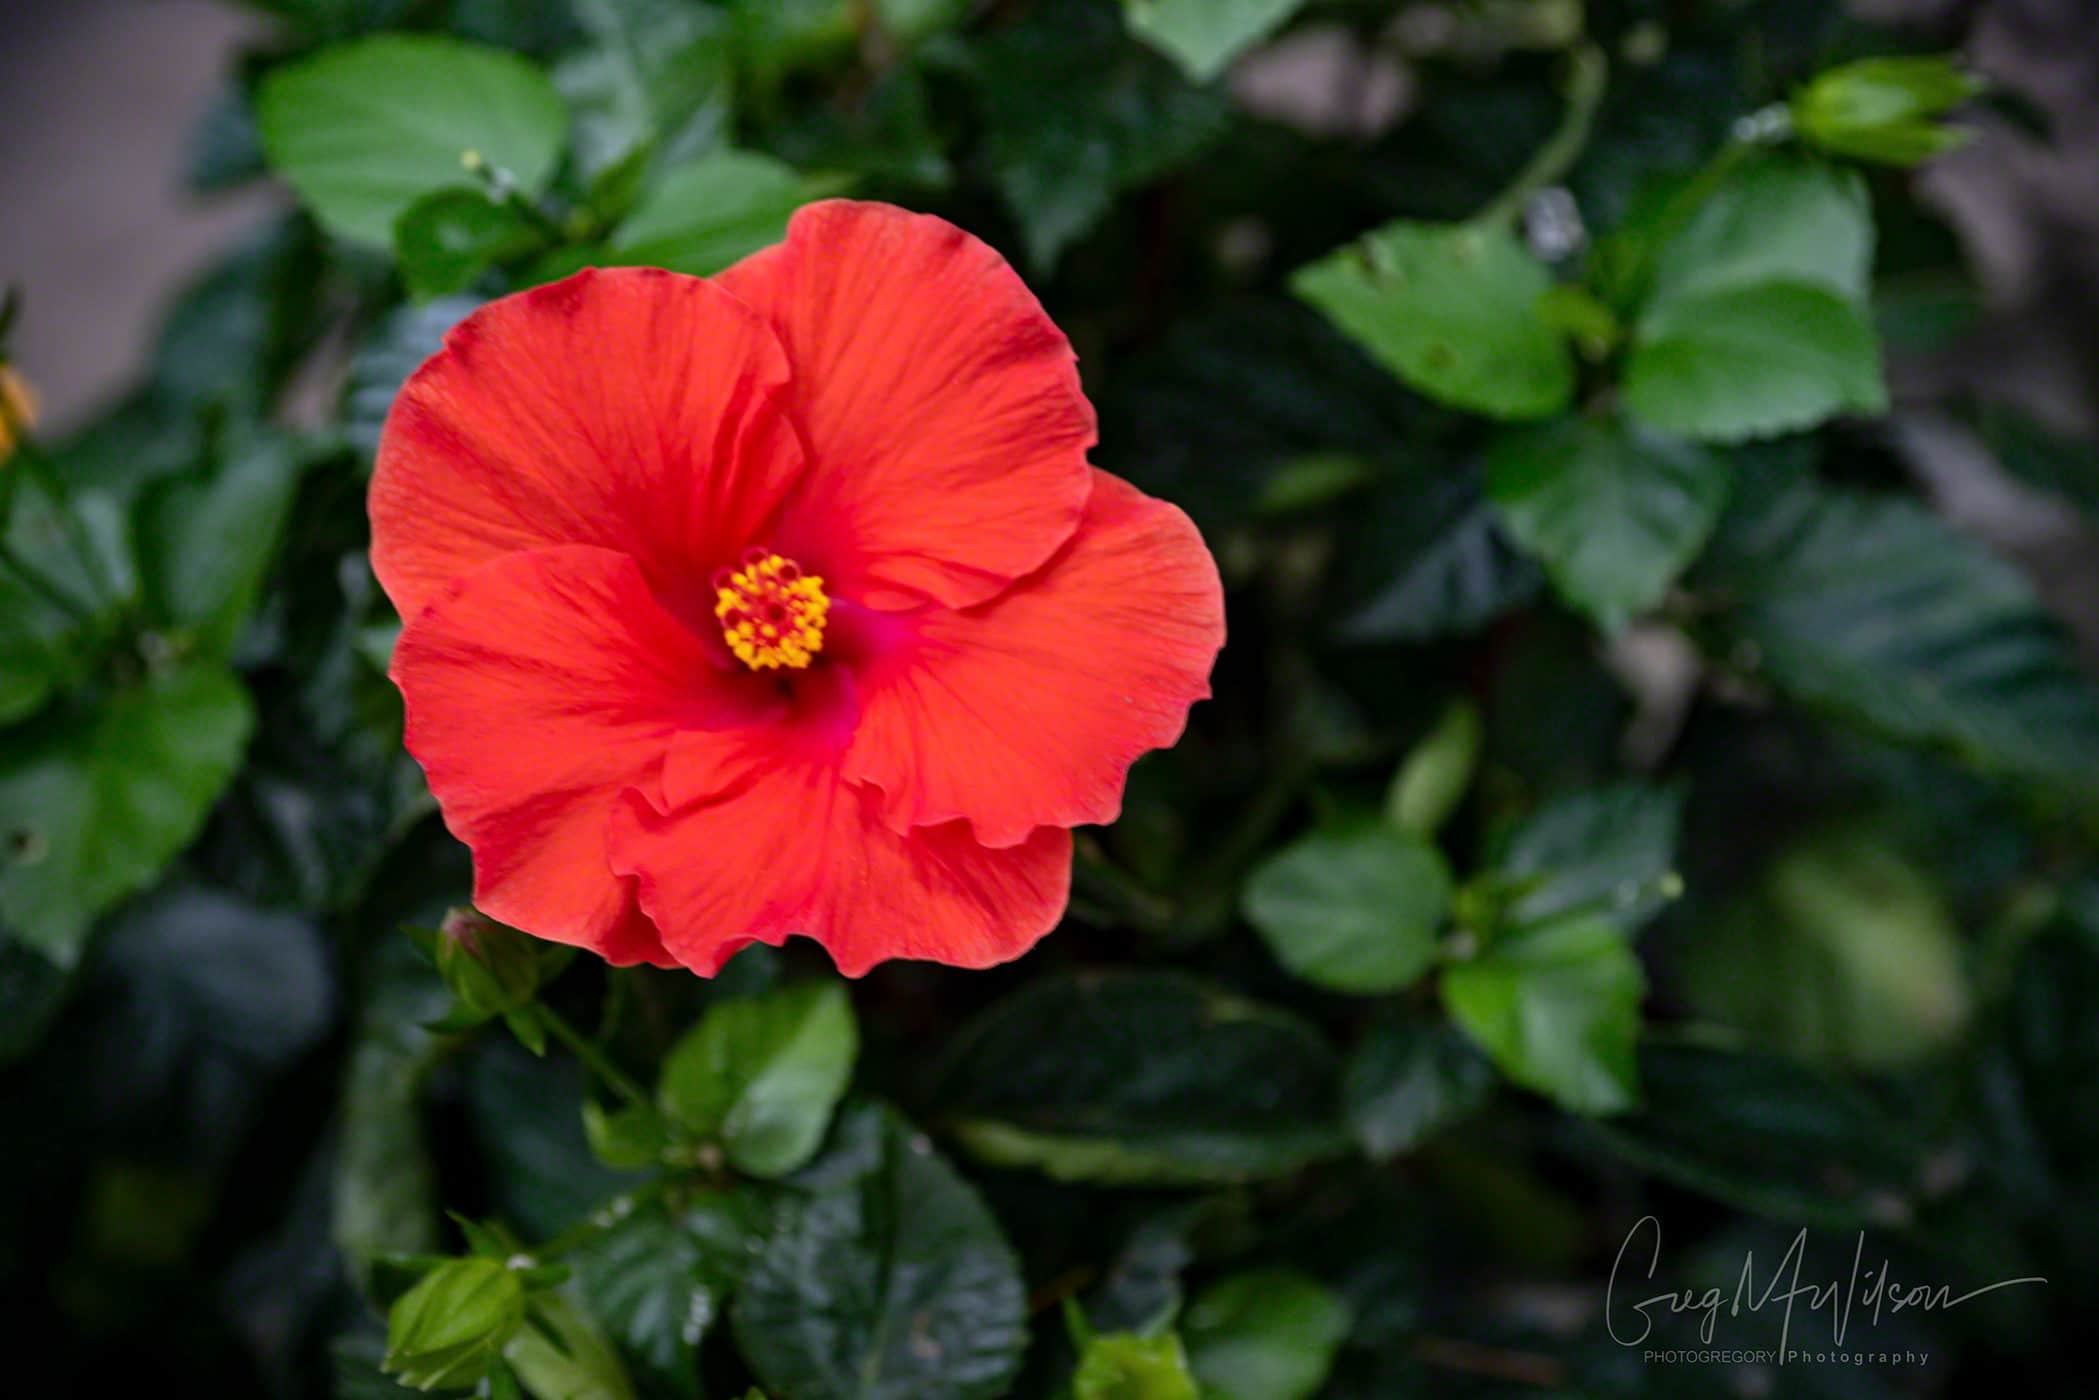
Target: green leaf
1753,361
1406,1081
702,217
1073,117
444,1332
1767,1134
658,76
445,240
1266,1334
363,130
1453,309
1605,851
658,1279
1354,913
1204,36
99,800
1613,513
1556,1005
1874,609
207,539
764,1074
1755,320
1777,218
628,1138
1125,1366
1848,952
891,1282
1128,1077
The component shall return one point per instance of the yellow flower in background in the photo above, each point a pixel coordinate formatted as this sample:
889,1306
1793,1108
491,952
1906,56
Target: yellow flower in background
17,410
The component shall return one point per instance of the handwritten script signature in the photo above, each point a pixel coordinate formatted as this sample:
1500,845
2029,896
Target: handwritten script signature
1872,1287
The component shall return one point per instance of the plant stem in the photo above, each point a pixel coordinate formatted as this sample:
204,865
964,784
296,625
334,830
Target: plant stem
588,1051
1585,85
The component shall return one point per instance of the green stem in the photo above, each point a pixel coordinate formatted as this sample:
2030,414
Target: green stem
1585,86
593,1057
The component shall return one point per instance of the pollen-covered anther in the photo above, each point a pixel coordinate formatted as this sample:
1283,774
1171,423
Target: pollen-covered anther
772,614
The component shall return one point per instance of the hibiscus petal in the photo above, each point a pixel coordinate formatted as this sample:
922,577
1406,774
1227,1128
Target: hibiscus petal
539,688
1029,710
796,850
946,428
633,409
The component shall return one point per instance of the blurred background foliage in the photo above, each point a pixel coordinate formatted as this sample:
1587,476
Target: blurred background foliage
1637,784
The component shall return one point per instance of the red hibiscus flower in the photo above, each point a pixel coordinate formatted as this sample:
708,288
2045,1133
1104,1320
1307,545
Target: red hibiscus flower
784,602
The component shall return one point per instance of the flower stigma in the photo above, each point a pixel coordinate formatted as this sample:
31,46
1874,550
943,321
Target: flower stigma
772,614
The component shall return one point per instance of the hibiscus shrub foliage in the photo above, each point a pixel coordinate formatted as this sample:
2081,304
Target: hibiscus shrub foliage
1624,795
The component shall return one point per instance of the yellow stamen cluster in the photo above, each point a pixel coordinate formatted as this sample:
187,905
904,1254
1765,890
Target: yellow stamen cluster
772,614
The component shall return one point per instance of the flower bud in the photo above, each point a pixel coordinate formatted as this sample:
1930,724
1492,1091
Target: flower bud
491,968
1885,109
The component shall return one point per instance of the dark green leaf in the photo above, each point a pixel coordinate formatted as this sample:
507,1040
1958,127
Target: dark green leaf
99,800
1432,561
1452,309
1204,36
1267,1334
385,1178
1141,1077
1766,1134
1073,116
764,1074
658,1279
527,1117
1605,851
403,339
207,539
1406,1081
234,335
1873,608
447,239
1355,913
1556,1005
892,1283
658,76
1613,513
35,636
364,130
31,992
